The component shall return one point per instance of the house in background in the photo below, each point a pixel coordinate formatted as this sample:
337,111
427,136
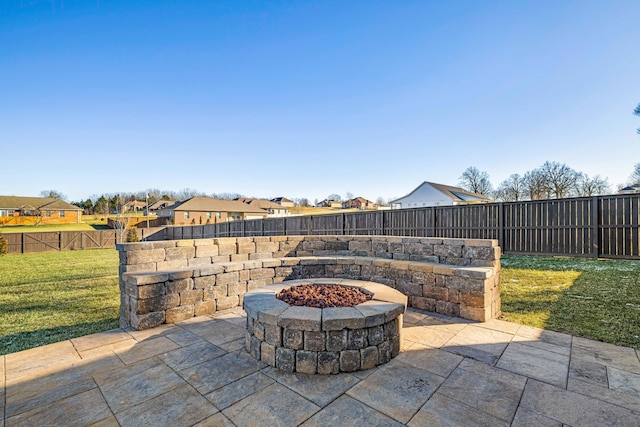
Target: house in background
633,189
207,210
430,194
160,204
16,210
134,206
273,209
328,203
283,201
358,203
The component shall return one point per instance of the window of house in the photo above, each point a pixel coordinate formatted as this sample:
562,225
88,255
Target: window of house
218,215
3,212
62,214
208,215
186,214
47,214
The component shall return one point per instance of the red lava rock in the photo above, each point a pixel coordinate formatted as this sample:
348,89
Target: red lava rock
322,296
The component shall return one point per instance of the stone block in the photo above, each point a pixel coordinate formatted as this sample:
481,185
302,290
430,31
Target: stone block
305,318
478,252
185,252
409,288
328,362
273,335
349,360
480,314
191,297
203,282
226,278
264,247
159,303
246,248
255,348
391,329
270,263
286,359
239,257
306,361
436,292
227,248
375,335
337,340
384,352
211,270
268,354
258,330
369,357
293,338
244,275
337,318
180,313
220,259
145,257
206,251
314,340
356,339
423,303
148,320
262,273
204,307
227,302
261,256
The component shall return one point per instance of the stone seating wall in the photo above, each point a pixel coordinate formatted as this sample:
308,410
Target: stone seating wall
170,281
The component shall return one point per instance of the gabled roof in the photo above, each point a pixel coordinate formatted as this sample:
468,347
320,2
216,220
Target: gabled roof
209,204
160,203
42,203
455,193
135,203
281,199
260,203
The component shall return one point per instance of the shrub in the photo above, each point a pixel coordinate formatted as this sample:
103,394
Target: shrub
132,235
4,245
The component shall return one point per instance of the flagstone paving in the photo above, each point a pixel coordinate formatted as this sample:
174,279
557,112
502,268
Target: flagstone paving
450,372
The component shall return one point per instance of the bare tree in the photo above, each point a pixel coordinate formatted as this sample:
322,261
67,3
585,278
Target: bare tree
637,113
535,185
512,189
560,179
121,224
335,197
187,193
348,195
54,194
380,201
596,186
634,179
476,181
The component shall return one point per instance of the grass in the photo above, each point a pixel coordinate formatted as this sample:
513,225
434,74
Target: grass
53,296
597,299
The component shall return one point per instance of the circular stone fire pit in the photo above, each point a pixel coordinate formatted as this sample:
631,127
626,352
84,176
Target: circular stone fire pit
324,340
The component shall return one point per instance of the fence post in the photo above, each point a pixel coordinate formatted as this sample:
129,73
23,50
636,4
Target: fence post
595,247
501,225
22,246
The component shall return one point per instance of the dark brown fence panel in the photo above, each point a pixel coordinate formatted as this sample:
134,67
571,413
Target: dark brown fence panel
409,222
327,224
298,225
274,226
236,229
367,223
468,222
253,227
59,241
619,226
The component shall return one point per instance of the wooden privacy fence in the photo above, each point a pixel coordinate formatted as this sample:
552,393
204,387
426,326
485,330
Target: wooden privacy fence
60,241
602,226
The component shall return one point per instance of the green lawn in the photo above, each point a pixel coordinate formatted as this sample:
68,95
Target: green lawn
53,296
598,299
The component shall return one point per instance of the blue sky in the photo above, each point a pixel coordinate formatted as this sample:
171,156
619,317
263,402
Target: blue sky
310,98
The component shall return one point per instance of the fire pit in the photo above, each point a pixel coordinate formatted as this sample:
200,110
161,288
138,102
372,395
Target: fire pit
324,338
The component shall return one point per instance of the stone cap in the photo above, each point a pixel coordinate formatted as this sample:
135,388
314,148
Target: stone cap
386,304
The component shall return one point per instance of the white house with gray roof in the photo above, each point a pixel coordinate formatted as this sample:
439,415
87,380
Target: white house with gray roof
430,194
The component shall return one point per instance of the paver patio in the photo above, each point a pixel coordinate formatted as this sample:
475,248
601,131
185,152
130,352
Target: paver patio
450,372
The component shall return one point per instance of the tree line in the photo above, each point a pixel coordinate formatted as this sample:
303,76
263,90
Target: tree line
552,180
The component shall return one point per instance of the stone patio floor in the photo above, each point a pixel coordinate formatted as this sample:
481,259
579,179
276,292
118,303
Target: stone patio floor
450,372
